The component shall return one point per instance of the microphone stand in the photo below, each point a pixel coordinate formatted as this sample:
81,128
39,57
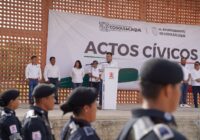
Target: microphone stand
90,77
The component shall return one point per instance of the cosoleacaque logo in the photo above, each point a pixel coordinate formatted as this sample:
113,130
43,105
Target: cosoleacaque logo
107,27
125,75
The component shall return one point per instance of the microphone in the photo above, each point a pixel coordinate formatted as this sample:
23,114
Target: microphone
103,62
98,63
88,64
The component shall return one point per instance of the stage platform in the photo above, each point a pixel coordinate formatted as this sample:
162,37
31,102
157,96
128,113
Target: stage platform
110,122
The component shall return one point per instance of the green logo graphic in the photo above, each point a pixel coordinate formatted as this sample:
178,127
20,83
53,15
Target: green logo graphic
125,75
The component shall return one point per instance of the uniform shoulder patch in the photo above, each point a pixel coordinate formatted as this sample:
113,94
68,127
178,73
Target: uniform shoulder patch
163,132
89,131
73,127
31,114
36,135
13,129
4,114
142,127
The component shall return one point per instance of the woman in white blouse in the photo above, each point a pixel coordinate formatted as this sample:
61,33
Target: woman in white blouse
77,74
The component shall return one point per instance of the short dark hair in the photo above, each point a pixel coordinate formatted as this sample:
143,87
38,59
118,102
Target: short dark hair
52,57
95,61
34,56
77,111
109,53
78,61
37,100
196,63
183,58
150,90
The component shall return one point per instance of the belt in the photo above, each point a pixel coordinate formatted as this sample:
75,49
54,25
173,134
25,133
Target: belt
95,81
52,78
33,78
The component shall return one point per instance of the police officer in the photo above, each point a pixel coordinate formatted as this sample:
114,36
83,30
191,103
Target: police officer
36,125
82,102
160,88
10,126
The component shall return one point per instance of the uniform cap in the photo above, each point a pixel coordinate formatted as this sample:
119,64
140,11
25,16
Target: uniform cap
7,96
161,71
43,90
79,97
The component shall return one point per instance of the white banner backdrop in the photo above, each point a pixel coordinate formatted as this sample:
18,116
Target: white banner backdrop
74,37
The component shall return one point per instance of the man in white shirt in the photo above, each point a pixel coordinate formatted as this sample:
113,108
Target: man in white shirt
52,75
184,83
33,76
95,79
195,74
109,61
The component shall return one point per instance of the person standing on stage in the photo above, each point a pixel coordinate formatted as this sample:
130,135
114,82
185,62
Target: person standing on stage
33,76
110,61
10,126
77,74
185,83
52,75
195,74
95,79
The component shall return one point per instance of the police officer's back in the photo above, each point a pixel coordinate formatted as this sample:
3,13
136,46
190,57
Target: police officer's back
36,125
160,88
82,102
10,126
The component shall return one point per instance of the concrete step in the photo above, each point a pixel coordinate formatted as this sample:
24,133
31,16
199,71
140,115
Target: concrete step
110,122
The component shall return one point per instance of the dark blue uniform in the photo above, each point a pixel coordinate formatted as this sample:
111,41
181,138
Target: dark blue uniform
150,125
76,129
10,126
36,125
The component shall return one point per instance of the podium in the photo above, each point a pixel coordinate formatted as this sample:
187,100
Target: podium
109,88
